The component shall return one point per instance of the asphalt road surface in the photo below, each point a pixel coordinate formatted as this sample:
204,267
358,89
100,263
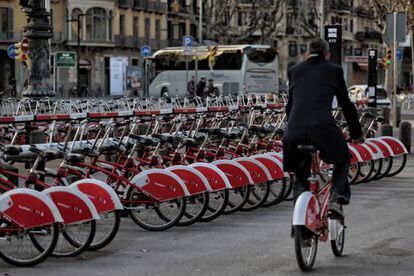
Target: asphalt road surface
379,241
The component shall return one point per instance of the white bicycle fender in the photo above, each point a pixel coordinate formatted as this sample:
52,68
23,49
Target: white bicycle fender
306,211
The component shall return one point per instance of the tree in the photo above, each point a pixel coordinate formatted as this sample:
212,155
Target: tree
381,8
221,18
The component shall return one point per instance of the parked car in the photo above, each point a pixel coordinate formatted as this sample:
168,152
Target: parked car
360,92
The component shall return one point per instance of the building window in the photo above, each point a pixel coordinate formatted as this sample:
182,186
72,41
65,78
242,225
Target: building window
158,29
293,49
135,27
4,23
74,24
122,24
110,17
96,24
241,20
147,28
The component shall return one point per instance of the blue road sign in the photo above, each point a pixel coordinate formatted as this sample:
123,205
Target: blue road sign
399,54
145,51
188,41
11,51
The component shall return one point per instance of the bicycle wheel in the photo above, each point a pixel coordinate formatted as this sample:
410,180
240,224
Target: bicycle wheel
306,246
398,164
216,205
353,172
156,216
237,199
258,195
106,229
386,168
17,248
377,169
338,228
276,193
195,208
289,187
365,171
75,239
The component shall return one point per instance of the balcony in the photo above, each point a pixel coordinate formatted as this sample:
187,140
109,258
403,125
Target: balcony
161,8
125,4
373,35
340,6
140,5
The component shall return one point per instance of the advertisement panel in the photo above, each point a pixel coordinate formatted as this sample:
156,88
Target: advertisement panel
117,76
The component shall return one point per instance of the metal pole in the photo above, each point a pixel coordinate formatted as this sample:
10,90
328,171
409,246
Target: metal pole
186,74
78,56
200,23
322,12
395,75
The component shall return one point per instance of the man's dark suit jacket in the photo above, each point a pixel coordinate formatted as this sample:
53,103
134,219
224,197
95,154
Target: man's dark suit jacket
312,87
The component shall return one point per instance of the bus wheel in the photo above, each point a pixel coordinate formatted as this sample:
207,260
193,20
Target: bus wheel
164,92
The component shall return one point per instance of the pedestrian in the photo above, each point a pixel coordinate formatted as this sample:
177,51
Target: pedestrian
210,88
191,87
201,86
313,84
12,83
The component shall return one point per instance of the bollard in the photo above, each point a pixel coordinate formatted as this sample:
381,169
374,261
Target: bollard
386,130
386,114
398,116
405,135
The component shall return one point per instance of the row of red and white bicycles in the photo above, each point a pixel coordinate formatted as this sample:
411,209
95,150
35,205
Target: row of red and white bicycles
194,163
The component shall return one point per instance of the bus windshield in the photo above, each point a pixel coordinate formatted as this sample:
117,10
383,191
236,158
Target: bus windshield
176,60
261,55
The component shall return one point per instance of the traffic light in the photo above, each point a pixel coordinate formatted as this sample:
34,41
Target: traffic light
22,52
388,57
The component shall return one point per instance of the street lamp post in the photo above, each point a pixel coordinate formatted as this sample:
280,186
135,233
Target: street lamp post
322,12
78,49
38,30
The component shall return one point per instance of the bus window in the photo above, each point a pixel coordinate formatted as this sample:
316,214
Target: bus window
261,55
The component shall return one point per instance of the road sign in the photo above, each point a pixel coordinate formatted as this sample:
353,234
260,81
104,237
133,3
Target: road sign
145,51
399,54
65,59
188,41
333,34
401,27
372,77
11,51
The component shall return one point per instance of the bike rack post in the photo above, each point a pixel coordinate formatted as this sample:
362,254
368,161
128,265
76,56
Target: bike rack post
405,135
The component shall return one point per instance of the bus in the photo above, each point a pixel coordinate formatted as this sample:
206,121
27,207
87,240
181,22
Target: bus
237,69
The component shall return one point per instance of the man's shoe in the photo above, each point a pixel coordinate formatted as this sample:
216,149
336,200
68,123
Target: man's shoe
342,200
335,209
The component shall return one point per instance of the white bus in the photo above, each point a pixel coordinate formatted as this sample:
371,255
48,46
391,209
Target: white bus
237,69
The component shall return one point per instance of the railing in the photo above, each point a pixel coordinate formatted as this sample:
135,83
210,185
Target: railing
125,4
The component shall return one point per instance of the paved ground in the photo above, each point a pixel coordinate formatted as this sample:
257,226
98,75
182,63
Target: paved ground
379,241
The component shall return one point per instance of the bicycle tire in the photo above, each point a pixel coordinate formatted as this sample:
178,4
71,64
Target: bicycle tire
289,187
399,168
258,195
386,167
219,199
66,245
275,196
300,243
99,243
159,220
190,218
237,199
54,230
364,176
353,173
338,244
377,170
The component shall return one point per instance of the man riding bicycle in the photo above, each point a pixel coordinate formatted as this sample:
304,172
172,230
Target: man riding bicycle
313,84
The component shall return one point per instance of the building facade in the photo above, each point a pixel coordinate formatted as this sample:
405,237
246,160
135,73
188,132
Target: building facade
106,29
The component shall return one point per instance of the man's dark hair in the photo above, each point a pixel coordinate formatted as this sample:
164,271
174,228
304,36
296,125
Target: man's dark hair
318,46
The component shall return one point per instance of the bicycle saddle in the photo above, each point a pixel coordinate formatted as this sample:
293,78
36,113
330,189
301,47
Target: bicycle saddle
143,140
167,138
11,150
368,115
307,148
280,132
211,131
74,158
233,135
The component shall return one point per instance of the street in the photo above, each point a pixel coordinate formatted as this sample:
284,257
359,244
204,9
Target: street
379,241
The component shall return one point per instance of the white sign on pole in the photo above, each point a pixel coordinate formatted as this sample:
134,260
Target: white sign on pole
117,76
